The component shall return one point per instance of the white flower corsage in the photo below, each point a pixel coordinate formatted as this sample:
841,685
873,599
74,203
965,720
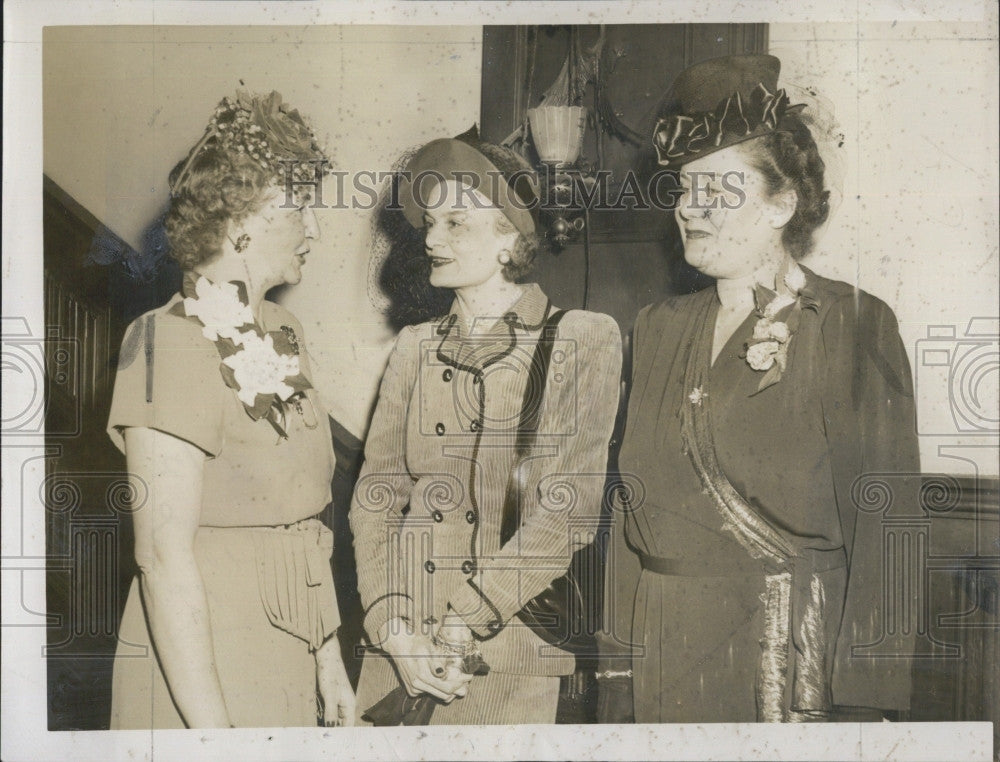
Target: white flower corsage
219,309
764,355
767,349
259,369
263,368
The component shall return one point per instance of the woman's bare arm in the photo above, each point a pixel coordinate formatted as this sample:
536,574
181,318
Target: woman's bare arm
169,471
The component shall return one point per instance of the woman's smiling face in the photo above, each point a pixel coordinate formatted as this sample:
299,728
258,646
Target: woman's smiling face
727,219
463,241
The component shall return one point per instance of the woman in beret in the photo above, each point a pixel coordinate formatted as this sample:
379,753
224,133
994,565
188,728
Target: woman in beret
232,619
748,581
442,569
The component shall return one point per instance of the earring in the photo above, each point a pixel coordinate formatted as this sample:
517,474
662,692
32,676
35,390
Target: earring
504,257
241,243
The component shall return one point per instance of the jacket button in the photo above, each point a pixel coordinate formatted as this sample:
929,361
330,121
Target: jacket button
439,429
493,626
468,567
474,426
447,374
437,516
470,516
429,567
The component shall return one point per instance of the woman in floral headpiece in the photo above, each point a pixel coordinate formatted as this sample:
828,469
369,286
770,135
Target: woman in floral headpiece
745,574
232,619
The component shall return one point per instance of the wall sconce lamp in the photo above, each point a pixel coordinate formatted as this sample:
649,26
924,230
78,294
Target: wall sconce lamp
557,133
557,126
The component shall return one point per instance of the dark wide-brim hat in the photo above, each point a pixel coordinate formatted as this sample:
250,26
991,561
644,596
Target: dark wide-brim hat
719,103
501,175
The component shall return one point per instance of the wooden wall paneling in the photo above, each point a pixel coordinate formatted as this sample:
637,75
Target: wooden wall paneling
955,674
505,62
86,529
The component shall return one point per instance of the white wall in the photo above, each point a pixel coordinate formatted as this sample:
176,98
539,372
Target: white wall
123,104
916,225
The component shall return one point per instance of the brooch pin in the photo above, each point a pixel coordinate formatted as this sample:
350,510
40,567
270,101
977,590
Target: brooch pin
292,338
697,395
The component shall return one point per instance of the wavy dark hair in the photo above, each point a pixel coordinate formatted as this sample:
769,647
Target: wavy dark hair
791,161
220,186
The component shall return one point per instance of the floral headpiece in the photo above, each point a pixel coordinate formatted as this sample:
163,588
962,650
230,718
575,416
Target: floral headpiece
720,102
266,130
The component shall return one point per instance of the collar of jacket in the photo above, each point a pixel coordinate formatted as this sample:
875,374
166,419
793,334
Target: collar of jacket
475,353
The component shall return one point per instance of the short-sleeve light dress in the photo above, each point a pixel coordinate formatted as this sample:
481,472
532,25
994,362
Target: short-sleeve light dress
264,558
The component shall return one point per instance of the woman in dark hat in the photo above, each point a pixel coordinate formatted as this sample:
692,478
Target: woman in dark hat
232,619
749,581
442,571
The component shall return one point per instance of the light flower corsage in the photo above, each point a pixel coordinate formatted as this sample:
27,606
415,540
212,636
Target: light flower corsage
219,309
261,367
779,313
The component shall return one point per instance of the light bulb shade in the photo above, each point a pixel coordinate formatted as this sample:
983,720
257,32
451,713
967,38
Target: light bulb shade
557,132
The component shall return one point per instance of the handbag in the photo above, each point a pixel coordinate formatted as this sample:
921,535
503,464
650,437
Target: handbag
559,614
398,707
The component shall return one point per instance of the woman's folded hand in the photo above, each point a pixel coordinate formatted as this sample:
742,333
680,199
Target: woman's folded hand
337,702
422,666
